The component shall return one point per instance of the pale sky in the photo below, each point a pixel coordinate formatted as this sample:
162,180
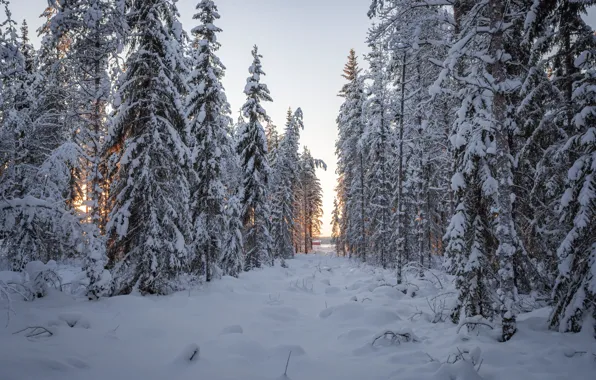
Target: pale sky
304,45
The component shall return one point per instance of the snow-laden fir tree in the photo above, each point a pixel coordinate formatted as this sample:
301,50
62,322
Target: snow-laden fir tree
335,228
351,160
39,221
284,187
149,222
94,29
208,113
309,201
416,38
483,233
378,137
252,149
273,141
575,75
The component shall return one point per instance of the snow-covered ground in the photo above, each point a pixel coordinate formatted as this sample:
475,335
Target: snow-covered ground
325,310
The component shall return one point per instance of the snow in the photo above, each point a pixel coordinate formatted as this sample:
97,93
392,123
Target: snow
325,310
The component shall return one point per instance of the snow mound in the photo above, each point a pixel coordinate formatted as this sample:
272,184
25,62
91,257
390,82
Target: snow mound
332,290
9,277
240,346
388,291
353,311
285,349
281,314
354,334
346,311
189,354
381,316
461,370
233,329
34,268
75,320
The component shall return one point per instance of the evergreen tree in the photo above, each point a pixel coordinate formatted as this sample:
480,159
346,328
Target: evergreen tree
285,185
379,178
149,226
40,221
232,261
416,38
351,159
574,76
335,228
208,111
252,148
484,177
93,29
309,201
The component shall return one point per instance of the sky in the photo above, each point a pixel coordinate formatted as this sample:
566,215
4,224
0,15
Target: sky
304,44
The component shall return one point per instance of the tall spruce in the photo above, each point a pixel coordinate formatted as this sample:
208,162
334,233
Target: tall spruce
574,75
379,138
285,185
208,112
252,148
351,160
309,202
483,233
149,225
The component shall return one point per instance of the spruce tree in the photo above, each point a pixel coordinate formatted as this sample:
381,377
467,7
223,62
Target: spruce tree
379,178
351,159
252,149
208,112
285,184
574,75
335,228
309,201
483,232
149,222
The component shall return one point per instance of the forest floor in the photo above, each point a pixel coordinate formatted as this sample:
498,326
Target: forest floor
326,311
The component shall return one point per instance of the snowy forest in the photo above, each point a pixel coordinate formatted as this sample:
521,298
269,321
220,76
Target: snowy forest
473,136
465,194
117,147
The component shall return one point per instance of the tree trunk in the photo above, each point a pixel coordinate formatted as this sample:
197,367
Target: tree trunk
505,230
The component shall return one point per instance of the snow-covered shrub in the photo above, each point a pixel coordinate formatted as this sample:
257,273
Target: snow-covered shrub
100,279
390,338
42,277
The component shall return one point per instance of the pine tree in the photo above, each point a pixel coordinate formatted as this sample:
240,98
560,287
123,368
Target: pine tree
208,111
252,148
149,225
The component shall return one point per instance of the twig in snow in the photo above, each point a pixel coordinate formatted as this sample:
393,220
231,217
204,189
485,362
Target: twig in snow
474,324
439,281
416,314
395,337
35,331
287,364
